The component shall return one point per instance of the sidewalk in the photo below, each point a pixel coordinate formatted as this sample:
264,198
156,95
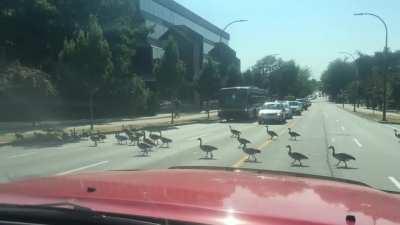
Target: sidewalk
376,115
103,125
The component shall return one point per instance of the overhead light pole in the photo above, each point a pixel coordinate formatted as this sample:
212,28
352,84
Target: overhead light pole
228,25
385,59
357,76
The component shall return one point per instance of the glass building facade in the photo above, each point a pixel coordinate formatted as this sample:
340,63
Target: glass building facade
162,14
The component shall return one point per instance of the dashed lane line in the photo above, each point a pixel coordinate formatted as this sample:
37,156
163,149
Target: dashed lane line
395,182
82,168
22,155
357,142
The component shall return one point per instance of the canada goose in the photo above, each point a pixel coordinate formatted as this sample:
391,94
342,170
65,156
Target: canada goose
121,138
147,140
235,133
164,140
145,148
271,133
208,149
295,155
95,139
19,136
154,137
133,139
341,157
396,134
242,141
251,152
293,134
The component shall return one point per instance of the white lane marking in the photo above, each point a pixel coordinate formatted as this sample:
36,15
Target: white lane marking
333,140
395,182
357,142
81,168
343,129
22,155
392,127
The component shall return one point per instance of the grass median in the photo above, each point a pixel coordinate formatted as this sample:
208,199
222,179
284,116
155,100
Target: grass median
374,115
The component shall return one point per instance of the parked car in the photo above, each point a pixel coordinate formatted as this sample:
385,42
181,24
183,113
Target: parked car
272,111
296,107
305,101
288,110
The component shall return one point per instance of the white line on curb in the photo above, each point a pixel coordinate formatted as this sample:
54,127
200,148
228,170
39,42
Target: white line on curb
357,142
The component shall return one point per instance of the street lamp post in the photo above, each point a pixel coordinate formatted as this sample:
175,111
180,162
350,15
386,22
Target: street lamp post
229,24
385,60
357,77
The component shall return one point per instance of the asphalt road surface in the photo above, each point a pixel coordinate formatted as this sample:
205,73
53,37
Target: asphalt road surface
373,145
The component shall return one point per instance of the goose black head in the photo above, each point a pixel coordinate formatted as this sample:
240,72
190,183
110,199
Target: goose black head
331,147
289,129
199,139
288,146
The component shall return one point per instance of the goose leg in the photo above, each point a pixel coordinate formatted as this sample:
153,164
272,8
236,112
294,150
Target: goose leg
345,164
255,158
300,163
212,156
337,164
248,158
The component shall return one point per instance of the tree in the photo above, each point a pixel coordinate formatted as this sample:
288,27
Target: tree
24,92
170,74
87,61
280,78
209,83
338,75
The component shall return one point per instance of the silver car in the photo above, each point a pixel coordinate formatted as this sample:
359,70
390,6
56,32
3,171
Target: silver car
288,110
296,107
272,111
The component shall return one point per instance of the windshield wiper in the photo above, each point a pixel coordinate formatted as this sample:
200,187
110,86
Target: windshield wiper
65,205
64,211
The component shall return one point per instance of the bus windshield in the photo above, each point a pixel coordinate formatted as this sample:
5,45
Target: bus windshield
233,98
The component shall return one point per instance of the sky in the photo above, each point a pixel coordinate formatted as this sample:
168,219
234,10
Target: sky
311,32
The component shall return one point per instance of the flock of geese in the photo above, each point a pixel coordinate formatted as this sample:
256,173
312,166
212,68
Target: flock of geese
136,138
296,156
147,144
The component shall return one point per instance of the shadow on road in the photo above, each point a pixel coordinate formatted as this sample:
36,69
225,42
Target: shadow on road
299,166
252,161
346,168
141,156
206,158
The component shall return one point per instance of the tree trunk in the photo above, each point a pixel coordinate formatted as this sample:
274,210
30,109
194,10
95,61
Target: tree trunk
91,110
208,109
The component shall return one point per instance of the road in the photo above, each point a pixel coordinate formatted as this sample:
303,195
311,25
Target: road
372,144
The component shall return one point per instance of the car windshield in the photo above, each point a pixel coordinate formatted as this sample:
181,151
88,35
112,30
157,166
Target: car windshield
94,86
272,106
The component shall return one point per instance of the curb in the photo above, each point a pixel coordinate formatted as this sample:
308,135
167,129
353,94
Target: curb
365,116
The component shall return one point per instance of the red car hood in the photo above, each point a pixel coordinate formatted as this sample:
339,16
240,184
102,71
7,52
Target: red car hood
212,197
